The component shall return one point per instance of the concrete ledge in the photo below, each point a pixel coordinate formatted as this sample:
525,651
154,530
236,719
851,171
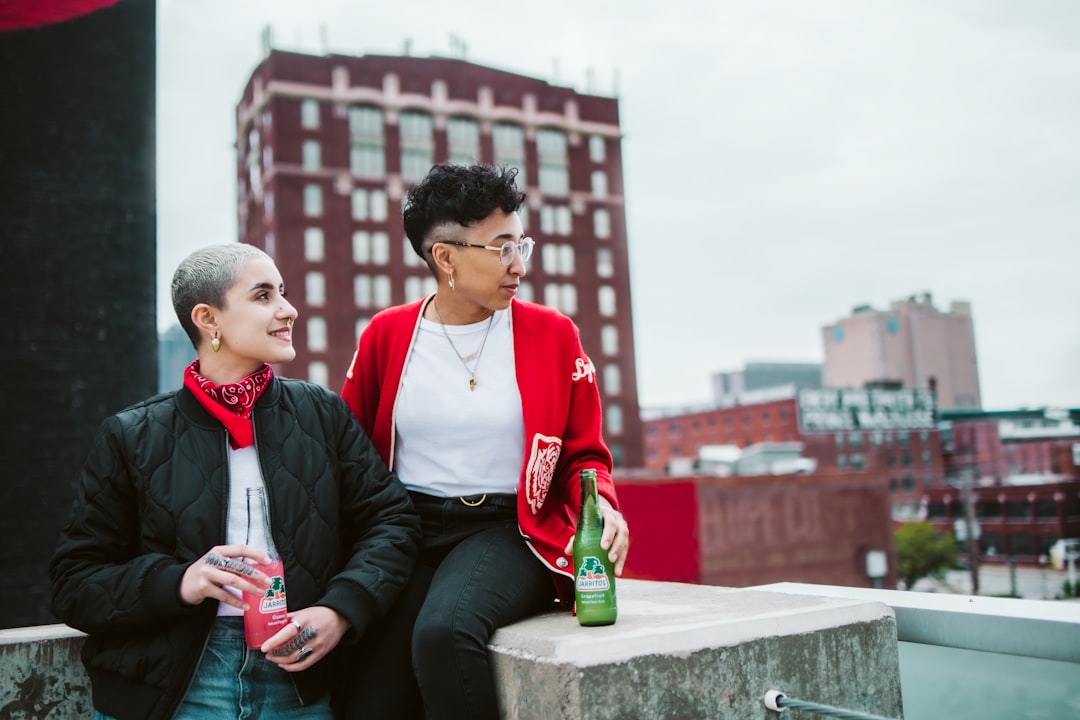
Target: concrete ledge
683,651
677,651
41,675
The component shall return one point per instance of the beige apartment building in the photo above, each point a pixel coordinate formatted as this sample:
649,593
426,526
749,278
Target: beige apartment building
911,345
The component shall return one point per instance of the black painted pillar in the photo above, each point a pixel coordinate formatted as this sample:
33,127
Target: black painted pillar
77,268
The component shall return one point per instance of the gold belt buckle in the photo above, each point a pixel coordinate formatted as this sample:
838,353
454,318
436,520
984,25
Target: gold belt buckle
473,504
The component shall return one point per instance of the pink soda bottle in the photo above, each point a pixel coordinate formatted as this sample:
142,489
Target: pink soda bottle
267,612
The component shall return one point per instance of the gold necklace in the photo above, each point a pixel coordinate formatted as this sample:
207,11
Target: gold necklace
474,356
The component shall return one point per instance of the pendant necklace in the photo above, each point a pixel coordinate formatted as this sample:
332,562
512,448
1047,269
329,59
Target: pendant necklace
465,360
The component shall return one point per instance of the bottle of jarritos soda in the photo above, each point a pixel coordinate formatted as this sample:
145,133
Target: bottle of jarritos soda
594,576
267,612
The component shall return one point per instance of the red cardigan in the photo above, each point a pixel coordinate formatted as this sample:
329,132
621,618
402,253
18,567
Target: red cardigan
560,405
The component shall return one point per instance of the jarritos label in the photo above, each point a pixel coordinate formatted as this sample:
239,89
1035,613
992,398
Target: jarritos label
592,577
274,599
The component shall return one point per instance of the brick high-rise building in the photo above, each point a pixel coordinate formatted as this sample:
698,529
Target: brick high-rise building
912,344
327,146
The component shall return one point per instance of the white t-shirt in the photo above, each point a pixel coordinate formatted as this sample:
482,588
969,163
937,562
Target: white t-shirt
244,472
452,440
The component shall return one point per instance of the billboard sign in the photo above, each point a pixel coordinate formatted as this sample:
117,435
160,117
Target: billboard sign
829,410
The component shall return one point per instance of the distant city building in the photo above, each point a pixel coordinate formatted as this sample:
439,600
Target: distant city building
911,345
175,353
888,433
727,386
1012,446
328,146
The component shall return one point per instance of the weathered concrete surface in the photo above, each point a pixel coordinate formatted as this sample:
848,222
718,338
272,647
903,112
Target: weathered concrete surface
41,675
692,651
677,651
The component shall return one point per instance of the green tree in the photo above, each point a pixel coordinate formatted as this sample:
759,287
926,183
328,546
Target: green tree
921,551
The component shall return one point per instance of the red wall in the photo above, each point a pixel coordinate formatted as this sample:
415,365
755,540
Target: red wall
741,531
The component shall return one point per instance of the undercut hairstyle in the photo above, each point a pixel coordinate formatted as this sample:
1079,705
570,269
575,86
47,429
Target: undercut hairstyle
205,276
453,196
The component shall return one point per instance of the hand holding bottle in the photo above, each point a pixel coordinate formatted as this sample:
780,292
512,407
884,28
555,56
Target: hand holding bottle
223,567
309,635
616,536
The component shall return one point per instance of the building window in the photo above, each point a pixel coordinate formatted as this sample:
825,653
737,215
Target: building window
551,157
312,155
318,373
373,248
614,419
314,245
417,145
316,334
605,268
599,184
841,461
601,223
556,220
558,259
561,297
597,148
606,294
313,206
463,140
839,440
612,379
855,439
315,289
609,340
381,288
268,204
268,158
367,152
857,461
309,114
378,205
362,291
525,291
509,142
360,209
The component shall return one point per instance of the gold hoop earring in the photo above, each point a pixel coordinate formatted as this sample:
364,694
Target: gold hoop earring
215,343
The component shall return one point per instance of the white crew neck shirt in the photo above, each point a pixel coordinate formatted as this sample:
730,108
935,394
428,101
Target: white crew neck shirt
244,473
451,440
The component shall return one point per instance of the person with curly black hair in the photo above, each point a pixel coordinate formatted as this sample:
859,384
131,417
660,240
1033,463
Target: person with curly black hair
486,408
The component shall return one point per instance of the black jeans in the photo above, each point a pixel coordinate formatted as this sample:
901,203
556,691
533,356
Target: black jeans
428,656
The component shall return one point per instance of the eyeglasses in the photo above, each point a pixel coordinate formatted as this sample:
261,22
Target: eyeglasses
506,251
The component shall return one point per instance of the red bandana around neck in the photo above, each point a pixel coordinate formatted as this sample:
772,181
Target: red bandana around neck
231,404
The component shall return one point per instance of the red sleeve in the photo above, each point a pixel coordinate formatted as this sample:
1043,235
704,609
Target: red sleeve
583,441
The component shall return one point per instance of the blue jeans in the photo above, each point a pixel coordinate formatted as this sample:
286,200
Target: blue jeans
428,656
232,681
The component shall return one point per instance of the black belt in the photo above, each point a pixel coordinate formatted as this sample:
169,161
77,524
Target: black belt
503,500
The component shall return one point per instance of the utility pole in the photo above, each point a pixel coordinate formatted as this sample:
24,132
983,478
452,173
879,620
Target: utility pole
968,498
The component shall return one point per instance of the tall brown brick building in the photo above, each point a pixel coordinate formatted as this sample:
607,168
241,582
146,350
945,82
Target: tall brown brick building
328,145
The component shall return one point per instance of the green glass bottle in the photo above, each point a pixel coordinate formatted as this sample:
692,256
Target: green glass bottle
594,575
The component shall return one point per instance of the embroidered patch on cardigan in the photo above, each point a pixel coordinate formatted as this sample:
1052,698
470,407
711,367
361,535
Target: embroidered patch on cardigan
541,469
583,370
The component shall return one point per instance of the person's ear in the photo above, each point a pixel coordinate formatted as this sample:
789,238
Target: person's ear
204,317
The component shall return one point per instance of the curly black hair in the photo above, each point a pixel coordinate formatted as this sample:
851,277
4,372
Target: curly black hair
460,195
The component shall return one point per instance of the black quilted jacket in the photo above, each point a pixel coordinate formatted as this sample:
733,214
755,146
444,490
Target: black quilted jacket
152,500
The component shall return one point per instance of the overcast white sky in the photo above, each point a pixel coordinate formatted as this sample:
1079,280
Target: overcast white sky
784,160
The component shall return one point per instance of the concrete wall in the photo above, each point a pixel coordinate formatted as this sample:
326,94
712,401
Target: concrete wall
677,651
